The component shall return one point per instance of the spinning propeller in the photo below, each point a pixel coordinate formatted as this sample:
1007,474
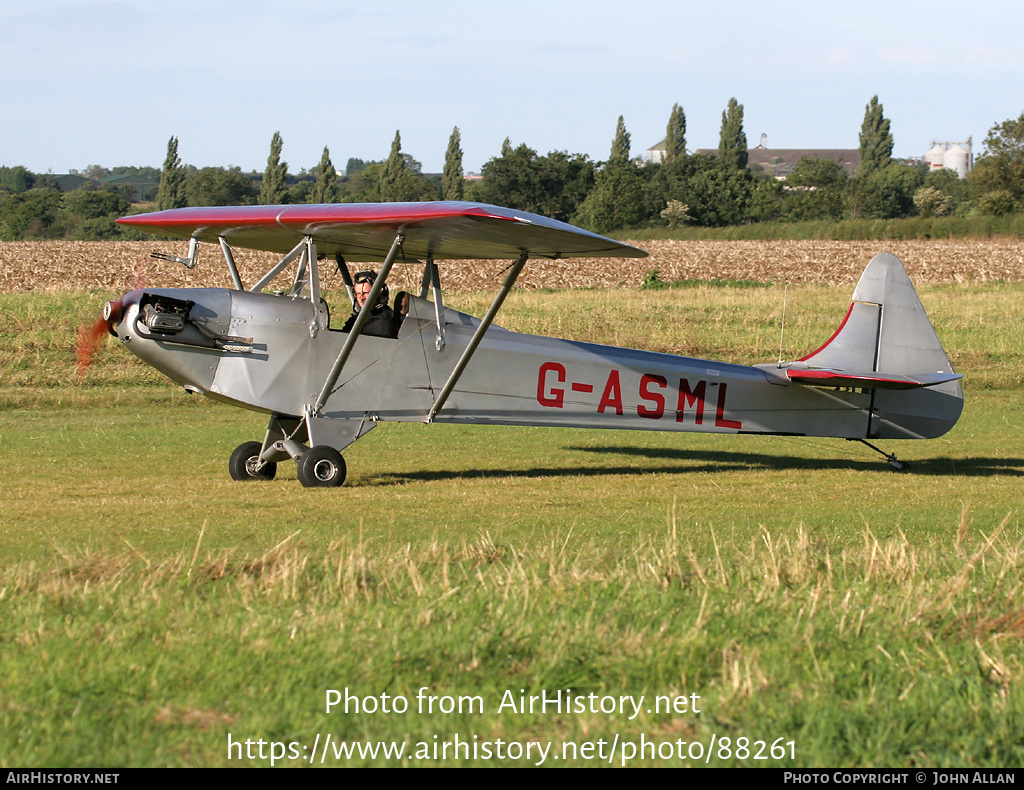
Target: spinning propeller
90,337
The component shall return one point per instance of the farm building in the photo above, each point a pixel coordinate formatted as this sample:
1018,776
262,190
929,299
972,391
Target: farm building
778,161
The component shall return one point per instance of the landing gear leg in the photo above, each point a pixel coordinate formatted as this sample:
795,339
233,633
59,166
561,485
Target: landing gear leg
894,462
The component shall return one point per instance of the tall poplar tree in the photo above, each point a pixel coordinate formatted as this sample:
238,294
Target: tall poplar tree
326,190
732,144
675,134
171,193
452,182
616,201
621,143
875,140
391,179
275,177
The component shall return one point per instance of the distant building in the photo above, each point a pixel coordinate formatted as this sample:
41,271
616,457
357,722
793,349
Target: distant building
139,189
781,161
656,153
778,161
69,182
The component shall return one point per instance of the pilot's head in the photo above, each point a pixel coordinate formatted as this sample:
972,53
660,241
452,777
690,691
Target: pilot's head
363,284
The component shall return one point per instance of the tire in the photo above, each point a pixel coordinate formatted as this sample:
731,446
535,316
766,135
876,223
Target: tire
322,467
243,463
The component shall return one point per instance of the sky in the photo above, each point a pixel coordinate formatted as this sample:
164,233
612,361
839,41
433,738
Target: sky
109,82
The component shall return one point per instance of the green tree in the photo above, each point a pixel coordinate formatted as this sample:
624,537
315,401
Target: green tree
394,171
216,186
765,200
552,185
452,182
275,177
89,214
96,172
1000,168
354,165
15,179
400,179
621,143
363,185
617,200
676,214
997,203
326,189
132,170
172,180
513,179
815,190
301,191
932,202
565,180
33,214
732,142
875,140
884,194
949,183
675,134
671,181
721,196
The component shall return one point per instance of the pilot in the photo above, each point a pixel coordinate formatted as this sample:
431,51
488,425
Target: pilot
383,321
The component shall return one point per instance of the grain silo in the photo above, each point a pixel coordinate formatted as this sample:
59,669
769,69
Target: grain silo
951,156
957,158
935,156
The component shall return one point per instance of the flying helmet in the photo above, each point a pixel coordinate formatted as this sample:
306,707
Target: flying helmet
369,276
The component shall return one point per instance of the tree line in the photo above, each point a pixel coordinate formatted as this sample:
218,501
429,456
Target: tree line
708,189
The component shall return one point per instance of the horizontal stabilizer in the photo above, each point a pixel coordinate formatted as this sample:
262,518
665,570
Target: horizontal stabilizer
823,377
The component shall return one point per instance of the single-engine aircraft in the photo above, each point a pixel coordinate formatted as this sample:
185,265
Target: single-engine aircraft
882,375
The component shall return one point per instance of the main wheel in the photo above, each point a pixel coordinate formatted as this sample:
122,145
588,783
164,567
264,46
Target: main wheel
244,461
322,466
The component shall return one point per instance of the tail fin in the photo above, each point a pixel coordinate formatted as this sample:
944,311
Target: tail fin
886,345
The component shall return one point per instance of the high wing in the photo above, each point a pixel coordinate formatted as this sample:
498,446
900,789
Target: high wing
365,231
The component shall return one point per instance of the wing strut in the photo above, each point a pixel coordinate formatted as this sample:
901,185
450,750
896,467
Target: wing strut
280,267
357,327
230,260
346,277
478,335
431,282
308,273
435,287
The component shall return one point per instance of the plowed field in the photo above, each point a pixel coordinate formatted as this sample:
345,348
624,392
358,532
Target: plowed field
65,265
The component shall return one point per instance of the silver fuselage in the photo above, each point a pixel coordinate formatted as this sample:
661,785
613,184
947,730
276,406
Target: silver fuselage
512,379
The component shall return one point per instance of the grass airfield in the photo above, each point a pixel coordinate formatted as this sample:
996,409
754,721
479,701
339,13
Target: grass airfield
825,610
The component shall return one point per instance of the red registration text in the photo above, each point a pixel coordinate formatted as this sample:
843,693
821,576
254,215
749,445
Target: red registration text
655,395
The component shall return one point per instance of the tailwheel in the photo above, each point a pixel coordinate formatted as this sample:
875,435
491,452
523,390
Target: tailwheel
245,463
321,467
895,463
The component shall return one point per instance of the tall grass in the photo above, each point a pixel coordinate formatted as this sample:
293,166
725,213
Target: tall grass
882,653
